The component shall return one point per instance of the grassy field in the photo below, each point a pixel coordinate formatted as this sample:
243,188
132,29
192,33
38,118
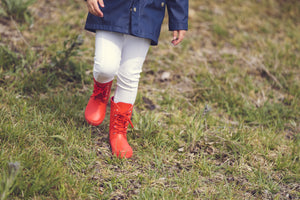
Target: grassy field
217,117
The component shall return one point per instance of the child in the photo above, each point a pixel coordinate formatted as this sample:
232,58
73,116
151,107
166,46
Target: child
124,31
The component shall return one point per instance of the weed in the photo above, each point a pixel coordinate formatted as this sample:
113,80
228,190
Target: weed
9,178
70,48
61,69
9,60
17,9
62,66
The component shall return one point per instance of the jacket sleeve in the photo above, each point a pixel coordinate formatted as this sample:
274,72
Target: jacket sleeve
178,14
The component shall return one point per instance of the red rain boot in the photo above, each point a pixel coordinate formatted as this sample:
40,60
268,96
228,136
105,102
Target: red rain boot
96,107
120,115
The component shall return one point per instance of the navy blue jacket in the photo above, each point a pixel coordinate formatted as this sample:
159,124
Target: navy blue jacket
141,18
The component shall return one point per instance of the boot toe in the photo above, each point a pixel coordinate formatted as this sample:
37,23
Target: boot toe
121,148
95,113
94,119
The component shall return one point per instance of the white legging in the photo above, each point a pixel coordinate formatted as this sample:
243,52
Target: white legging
123,56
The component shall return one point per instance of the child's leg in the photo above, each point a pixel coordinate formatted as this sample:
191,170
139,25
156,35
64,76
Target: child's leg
133,56
107,62
108,47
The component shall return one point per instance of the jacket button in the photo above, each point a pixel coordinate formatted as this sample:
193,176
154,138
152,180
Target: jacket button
162,4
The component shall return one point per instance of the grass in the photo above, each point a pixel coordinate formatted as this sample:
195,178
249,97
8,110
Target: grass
224,125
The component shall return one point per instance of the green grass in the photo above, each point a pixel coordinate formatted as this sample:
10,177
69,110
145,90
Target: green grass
224,126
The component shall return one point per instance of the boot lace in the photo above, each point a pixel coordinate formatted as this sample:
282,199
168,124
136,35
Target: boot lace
101,92
122,120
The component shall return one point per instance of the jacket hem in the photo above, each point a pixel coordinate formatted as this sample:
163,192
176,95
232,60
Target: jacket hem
93,28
